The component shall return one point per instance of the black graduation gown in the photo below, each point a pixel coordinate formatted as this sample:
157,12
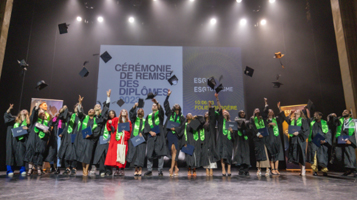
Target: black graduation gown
224,145
101,149
85,146
208,148
169,113
322,151
241,145
156,146
275,149
193,161
297,144
15,149
51,152
35,145
259,143
67,150
345,153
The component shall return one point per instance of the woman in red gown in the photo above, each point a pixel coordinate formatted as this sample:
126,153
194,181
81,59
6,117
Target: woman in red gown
115,139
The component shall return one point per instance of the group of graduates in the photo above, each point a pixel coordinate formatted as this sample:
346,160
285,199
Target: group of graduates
212,141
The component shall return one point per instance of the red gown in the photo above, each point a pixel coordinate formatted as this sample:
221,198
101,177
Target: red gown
111,159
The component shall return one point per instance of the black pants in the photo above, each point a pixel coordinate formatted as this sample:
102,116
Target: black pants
38,159
102,167
244,168
70,164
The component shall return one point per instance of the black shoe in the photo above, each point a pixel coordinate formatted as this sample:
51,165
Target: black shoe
108,173
66,172
347,173
314,174
229,174
223,174
161,174
73,172
324,174
57,171
247,174
148,173
240,173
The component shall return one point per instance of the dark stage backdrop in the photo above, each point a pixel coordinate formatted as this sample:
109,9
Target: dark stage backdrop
303,32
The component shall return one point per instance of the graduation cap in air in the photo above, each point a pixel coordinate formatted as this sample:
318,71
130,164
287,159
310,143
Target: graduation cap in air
40,85
141,103
211,83
63,28
279,55
106,56
201,119
84,72
249,71
23,63
310,105
277,84
173,80
120,102
195,124
150,96
219,88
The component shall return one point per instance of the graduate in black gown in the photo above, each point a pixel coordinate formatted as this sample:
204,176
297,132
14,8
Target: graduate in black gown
241,144
174,139
156,144
224,142
85,146
37,139
102,149
275,150
71,125
297,140
136,155
318,156
16,146
209,155
257,122
345,153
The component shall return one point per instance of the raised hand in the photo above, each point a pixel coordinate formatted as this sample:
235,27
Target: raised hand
136,104
154,100
216,95
278,104
265,99
109,92
169,92
80,99
11,106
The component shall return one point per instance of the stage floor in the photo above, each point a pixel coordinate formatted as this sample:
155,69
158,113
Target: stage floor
289,185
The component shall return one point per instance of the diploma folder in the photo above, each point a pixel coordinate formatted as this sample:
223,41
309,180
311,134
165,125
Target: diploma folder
317,139
342,139
263,131
137,140
42,127
293,129
102,140
171,124
155,129
123,127
188,149
73,137
60,131
232,125
87,131
19,131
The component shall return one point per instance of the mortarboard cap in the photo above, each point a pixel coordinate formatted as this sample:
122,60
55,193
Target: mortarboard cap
201,118
106,56
120,102
41,84
173,80
84,72
277,84
310,105
141,103
195,124
150,96
23,63
219,88
249,71
63,28
211,82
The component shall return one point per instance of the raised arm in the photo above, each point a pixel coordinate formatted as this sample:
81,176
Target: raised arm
132,113
266,109
167,104
81,115
218,103
8,117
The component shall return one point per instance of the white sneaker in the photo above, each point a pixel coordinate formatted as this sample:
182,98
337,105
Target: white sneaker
93,170
11,174
102,174
23,173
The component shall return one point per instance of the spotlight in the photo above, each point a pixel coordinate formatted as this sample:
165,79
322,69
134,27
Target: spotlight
271,1
79,18
192,0
239,1
131,19
243,22
263,22
100,19
213,21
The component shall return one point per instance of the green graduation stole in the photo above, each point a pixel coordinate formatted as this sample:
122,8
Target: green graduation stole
195,135
41,134
202,134
275,127
85,123
298,123
106,133
259,123
323,126
339,128
241,134
137,126
225,131
17,124
185,132
172,118
71,124
156,119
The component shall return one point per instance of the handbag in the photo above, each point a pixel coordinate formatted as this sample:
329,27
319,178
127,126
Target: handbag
121,148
